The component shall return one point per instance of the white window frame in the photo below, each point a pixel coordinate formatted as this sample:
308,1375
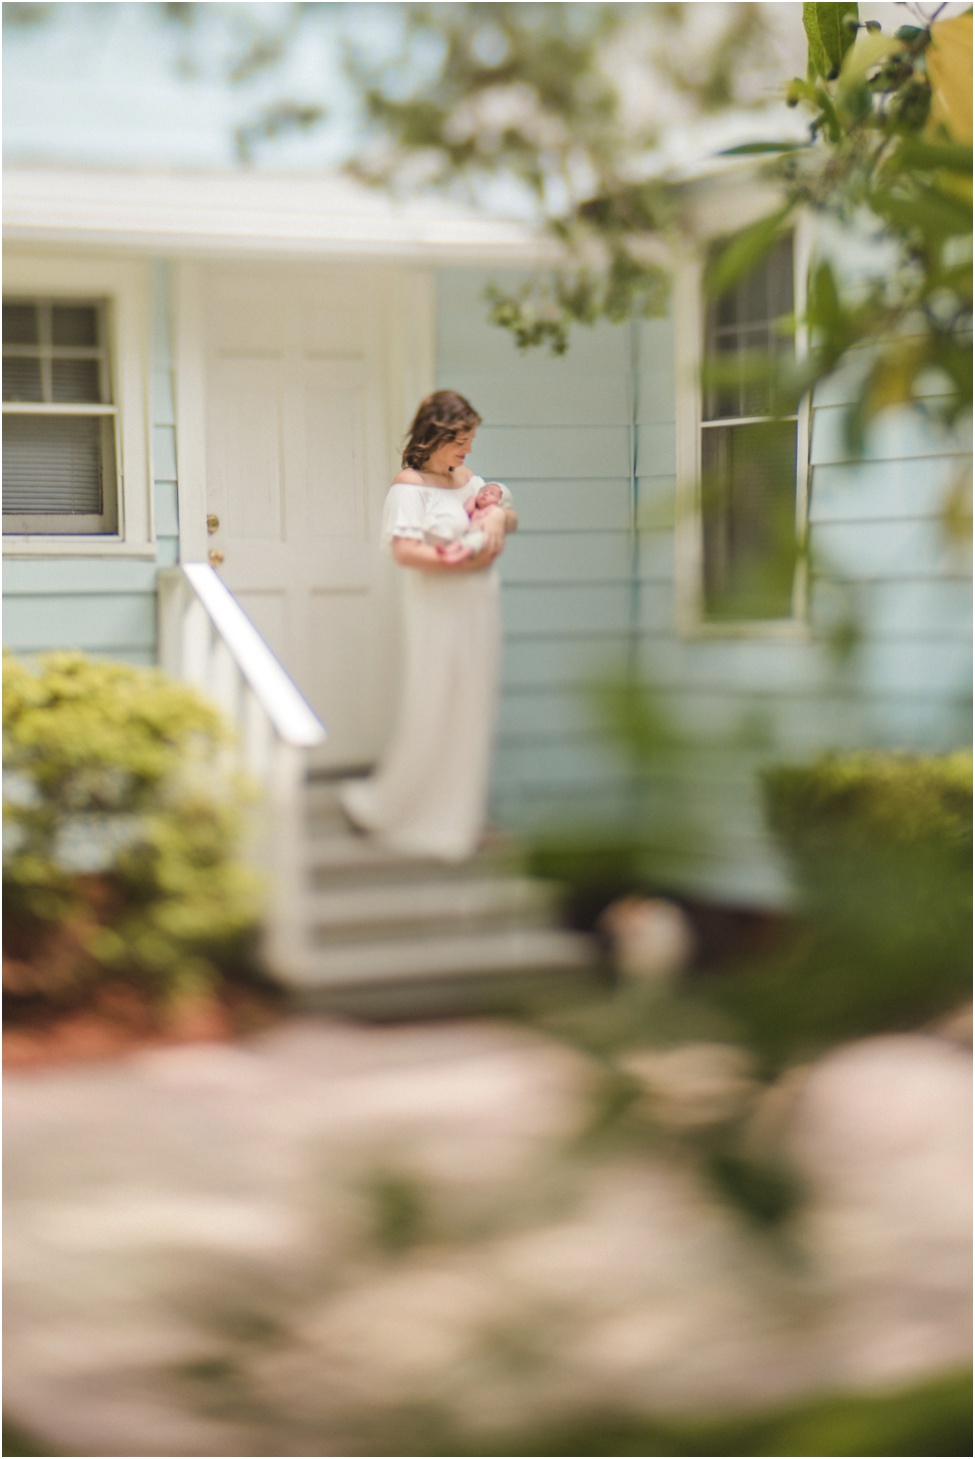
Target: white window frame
125,286
690,312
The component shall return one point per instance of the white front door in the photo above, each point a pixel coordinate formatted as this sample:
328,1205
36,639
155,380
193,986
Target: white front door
302,417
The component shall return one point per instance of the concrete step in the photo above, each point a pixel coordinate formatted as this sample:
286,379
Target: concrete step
396,936
472,996
345,857
502,953
384,910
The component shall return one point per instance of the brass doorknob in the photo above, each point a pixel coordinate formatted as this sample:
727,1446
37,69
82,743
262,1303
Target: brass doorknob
212,523
214,557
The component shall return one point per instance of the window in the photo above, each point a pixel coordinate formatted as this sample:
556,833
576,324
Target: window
59,422
746,463
76,475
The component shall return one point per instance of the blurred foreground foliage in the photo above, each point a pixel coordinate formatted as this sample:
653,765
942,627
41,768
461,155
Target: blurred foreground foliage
931,1419
531,94
927,1420
120,835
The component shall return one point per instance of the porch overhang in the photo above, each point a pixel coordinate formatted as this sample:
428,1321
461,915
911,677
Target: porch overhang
256,214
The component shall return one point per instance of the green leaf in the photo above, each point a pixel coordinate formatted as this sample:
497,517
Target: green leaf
935,214
824,310
829,39
934,156
745,252
750,149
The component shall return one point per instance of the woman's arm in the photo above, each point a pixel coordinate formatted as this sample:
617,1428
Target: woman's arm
409,553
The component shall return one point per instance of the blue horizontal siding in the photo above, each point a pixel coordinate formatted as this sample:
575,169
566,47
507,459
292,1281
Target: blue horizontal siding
656,556
80,621
559,763
657,451
656,498
573,610
900,551
899,435
656,402
164,453
466,341
901,610
571,661
560,452
655,609
545,714
572,506
876,491
524,395
167,509
567,557
49,576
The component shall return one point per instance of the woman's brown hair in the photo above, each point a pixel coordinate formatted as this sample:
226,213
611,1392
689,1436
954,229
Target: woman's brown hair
442,417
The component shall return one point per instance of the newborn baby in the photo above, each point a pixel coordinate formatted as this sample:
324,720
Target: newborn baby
456,545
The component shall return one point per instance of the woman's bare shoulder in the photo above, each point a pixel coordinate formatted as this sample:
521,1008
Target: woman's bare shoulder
463,475
408,477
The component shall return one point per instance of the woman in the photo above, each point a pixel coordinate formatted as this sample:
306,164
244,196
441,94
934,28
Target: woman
429,794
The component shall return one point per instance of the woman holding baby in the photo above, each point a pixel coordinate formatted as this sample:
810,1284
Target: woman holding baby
446,526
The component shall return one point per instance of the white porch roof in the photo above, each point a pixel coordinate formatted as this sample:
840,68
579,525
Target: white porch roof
316,215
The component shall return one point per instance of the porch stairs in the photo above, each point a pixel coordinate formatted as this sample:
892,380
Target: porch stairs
351,928
392,936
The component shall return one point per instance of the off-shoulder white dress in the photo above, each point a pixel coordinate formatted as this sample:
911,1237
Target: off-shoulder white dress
428,796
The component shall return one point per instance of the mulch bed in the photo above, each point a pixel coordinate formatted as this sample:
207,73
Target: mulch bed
118,1018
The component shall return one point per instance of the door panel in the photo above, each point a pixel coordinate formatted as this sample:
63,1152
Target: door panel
297,469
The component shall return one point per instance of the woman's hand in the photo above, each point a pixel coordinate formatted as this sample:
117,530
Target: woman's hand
494,525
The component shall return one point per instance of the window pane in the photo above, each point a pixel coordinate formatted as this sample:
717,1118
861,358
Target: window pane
748,479
781,294
744,341
76,381
52,465
21,378
74,324
20,323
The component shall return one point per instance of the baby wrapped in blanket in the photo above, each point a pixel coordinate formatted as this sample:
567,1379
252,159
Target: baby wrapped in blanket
454,543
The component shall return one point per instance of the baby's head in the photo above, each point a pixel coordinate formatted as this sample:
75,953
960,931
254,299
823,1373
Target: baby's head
490,494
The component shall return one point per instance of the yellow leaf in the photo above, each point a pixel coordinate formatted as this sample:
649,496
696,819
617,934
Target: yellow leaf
949,62
870,49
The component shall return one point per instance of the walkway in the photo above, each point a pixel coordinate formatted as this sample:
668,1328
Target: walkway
290,1246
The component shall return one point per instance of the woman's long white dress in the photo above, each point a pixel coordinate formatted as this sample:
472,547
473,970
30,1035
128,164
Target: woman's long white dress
428,796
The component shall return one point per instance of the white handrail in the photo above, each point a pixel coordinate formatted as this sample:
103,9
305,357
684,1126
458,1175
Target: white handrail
292,717
206,639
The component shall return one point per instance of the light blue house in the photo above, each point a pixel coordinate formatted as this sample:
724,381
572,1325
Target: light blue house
218,366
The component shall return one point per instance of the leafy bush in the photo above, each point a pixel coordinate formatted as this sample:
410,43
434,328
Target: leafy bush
872,799
121,824
881,846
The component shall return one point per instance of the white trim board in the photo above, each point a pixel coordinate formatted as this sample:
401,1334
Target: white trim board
247,213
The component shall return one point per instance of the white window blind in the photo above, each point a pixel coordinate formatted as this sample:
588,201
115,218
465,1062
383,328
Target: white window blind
59,420
748,456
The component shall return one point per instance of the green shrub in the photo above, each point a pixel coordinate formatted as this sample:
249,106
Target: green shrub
870,799
121,828
881,849
881,846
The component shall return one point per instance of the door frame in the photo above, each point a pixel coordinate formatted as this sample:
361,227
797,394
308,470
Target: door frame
409,359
